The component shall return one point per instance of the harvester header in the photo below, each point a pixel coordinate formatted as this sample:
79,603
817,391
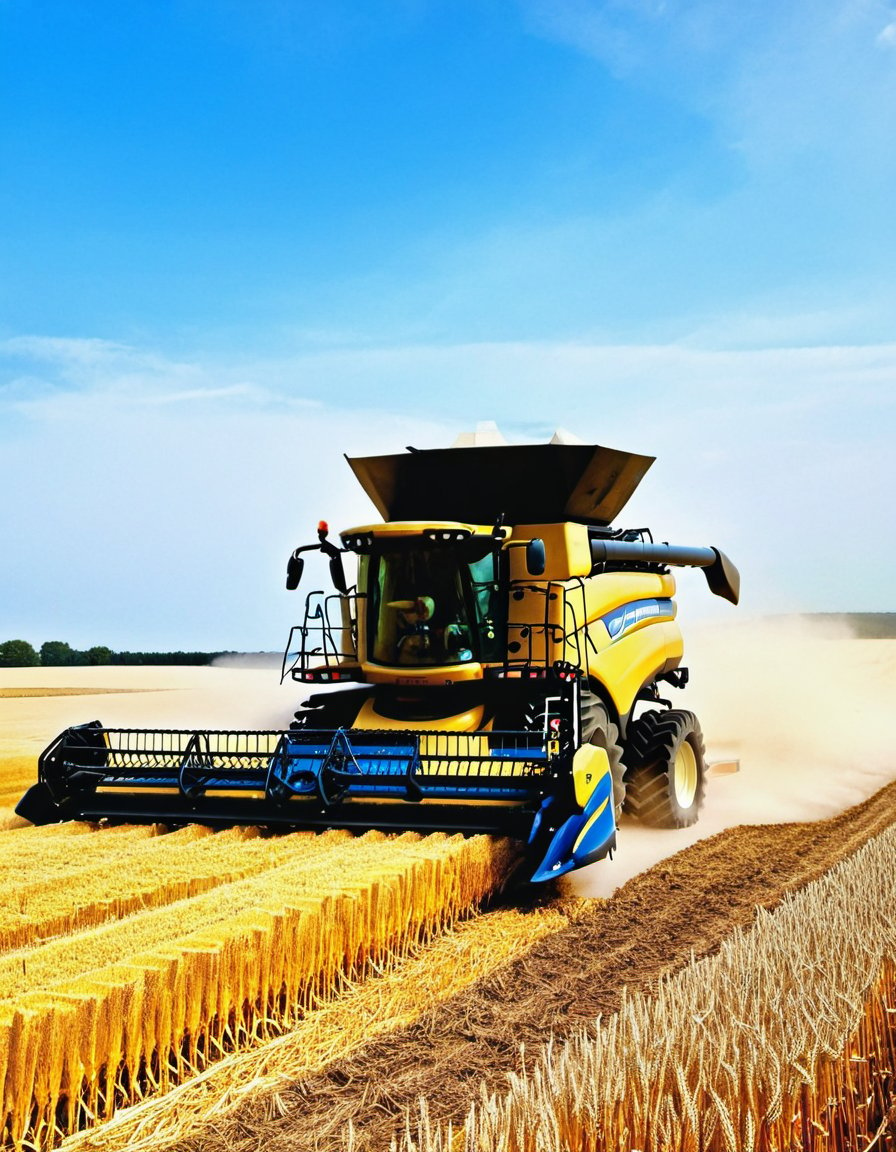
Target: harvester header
495,665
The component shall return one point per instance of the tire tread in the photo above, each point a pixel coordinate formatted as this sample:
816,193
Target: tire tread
653,742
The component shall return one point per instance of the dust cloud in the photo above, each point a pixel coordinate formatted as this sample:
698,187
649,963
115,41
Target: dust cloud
144,697
255,660
805,707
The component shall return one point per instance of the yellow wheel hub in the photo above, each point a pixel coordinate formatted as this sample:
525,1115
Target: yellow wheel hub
685,777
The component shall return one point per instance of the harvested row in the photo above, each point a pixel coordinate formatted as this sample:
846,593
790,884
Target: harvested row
53,886
785,1039
53,850
105,1016
36,904
30,835
310,864
467,952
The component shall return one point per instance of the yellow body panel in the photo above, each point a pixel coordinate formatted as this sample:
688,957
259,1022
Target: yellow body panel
622,665
589,765
611,590
420,674
625,665
567,551
468,721
417,528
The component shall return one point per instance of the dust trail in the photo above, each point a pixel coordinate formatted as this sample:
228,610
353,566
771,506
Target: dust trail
145,697
805,707
241,660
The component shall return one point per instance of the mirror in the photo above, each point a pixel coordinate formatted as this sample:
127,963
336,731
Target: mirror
337,574
294,567
535,557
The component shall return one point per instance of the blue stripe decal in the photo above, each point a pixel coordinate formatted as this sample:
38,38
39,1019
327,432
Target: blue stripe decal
628,615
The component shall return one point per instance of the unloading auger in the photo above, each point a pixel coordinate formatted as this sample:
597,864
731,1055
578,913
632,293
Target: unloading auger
495,667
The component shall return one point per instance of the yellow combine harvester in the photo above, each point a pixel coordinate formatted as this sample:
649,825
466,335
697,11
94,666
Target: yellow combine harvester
495,668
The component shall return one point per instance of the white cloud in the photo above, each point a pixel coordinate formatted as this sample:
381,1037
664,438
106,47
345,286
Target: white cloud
137,522
779,80
90,358
887,35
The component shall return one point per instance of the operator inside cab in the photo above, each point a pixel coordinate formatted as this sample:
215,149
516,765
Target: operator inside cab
420,640
423,601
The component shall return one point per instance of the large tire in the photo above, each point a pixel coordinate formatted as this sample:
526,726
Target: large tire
666,775
597,728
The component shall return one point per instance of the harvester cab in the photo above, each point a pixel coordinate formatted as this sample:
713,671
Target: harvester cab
494,668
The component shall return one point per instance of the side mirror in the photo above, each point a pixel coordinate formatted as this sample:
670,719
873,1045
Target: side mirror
337,574
535,557
294,567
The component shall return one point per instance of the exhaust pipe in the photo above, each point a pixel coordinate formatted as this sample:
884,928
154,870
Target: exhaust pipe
722,576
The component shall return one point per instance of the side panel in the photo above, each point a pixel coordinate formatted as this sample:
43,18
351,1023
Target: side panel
603,594
566,607
566,547
624,666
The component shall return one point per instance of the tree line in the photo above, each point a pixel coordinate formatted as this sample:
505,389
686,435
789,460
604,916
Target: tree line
58,654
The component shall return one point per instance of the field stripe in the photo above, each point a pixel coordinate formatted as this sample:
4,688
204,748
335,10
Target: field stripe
108,1015
35,904
467,952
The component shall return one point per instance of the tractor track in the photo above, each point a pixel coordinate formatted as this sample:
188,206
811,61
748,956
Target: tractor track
683,907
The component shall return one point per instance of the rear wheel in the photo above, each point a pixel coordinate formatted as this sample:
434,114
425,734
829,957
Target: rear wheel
665,778
599,729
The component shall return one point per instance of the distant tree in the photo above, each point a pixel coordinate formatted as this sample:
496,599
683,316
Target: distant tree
18,654
56,654
164,658
99,654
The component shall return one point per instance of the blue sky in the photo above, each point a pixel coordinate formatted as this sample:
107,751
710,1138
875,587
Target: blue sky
240,238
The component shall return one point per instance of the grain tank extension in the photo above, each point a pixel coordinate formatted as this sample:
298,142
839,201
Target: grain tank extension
499,665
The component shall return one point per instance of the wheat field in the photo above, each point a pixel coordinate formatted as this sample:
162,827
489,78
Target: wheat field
784,1041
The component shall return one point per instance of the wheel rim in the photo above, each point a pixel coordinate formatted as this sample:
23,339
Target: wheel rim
685,775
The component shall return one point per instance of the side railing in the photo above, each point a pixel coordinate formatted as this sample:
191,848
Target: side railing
326,640
327,636
558,632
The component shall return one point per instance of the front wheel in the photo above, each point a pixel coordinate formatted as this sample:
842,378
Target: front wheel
666,775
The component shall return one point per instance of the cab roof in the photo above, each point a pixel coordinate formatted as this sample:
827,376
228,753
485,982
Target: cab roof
528,483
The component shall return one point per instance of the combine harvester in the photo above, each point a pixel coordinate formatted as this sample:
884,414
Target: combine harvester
496,668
